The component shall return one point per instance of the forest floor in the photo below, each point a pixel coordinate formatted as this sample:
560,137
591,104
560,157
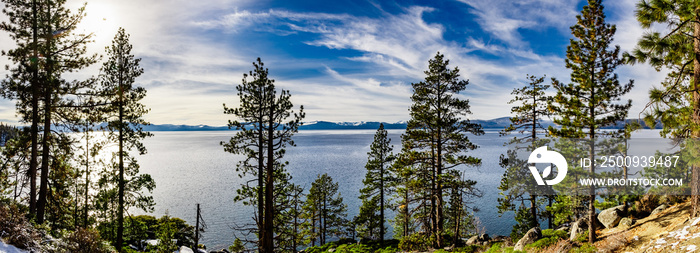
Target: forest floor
671,230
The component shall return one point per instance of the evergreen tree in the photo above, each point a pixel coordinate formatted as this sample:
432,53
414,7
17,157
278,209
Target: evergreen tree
516,184
325,209
437,131
124,114
46,49
267,124
676,104
406,194
589,103
459,218
377,181
367,220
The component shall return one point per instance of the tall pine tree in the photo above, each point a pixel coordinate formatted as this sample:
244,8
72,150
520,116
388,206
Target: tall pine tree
267,123
124,115
590,102
325,207
377,178
529,113
676,104
437,131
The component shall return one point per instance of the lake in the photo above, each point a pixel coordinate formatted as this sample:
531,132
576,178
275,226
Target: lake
191,167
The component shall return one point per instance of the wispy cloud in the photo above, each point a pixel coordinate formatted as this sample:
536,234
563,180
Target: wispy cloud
504,19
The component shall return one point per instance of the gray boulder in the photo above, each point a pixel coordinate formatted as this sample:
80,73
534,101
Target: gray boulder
473,240
659,209
531,236
611,217
625,223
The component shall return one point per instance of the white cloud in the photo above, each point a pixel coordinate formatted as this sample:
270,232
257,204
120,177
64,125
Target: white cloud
504,18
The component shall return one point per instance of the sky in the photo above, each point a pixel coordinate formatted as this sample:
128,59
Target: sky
343,60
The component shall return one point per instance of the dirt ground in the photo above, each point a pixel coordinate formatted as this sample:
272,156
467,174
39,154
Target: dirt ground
668,231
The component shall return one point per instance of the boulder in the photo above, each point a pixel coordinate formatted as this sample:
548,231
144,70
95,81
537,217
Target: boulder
611,217
625,223
473,240
659,209
184,249
531,236
577,228
484,237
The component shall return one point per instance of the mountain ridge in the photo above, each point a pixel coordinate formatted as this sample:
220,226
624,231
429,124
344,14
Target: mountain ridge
500,123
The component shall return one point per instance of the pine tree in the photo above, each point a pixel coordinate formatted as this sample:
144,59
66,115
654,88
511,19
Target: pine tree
677,103
124,114
325,210
377,179
47,48
530,111
267,124
438,131
589,103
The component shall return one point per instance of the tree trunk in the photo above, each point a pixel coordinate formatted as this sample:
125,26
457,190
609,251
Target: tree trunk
381,200
269,181
591,153
87,178
48,89
261,170
695,181
35,114
120,210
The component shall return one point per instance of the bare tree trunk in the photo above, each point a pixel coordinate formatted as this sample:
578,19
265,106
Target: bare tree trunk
268,245
695,181
48,89
35,114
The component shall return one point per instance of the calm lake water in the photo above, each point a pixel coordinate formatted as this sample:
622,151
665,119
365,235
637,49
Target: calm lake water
191,167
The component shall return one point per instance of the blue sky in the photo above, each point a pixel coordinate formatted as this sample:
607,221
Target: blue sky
343,60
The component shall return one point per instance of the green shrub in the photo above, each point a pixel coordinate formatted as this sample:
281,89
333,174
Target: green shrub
554,233
544,242
498,248
469,249
585,248
582,237
414,242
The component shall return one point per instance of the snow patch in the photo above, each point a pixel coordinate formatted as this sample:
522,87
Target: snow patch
6,248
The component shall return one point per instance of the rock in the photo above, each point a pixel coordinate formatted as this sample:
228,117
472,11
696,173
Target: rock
484,237
331,250
659,209
625,223
531,236
611,217
578,227
473,240
184,249
450,248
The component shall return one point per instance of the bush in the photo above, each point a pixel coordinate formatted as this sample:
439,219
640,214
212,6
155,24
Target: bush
15,228
544,242
85,240
585,248
499,248
554,233
414,242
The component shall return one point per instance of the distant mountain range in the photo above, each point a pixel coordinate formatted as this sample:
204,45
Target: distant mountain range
498,123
